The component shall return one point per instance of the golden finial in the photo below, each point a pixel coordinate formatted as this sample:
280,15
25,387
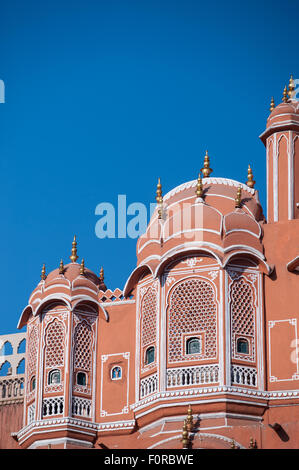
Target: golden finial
285,95
251,444
74,256
189,419
272,104
199,187
238,198
250,181
101,276
159,198
61,267
291,87
206,170
233,444
185,436
82,267
43,274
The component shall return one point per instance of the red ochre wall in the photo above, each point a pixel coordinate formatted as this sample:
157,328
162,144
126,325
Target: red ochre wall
11,417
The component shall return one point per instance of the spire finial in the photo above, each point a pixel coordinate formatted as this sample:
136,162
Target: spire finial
291,88
185,436
285,95
74,256
199,187
238,198
61,267
206,170
159,198
43,274
82,267
272,104
101,276
189,419
233,444
250,181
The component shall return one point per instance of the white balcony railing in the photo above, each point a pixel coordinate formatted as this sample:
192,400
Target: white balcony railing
81,407
196,375
244,375
148,385
53,406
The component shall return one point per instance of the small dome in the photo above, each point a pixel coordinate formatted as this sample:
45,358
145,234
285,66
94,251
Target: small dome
188,219
71,272
239,221
283,112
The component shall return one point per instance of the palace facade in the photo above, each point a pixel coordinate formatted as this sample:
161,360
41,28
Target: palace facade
200,348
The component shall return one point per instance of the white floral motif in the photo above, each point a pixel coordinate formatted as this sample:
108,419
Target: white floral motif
170,280
213,274
252,277
191,262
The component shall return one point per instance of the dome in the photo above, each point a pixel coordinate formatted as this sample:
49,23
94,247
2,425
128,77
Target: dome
288,111
189,221
71,284
71,273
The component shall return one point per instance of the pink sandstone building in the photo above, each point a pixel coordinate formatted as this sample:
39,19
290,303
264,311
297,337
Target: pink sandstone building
200,348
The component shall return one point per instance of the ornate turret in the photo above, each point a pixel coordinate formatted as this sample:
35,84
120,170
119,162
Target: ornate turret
282,143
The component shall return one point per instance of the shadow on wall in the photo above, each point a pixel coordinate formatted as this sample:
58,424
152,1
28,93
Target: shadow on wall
280,431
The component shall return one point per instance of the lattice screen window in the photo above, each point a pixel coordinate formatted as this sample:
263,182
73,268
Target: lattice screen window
242,317
83,356
83,347
54,345
192,309
148,323
54,355
32,359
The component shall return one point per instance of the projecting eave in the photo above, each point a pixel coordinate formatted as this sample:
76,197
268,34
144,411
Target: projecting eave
24,317
281,126
141,270
293,265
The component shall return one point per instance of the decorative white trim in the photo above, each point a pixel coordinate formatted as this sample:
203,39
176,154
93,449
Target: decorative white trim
104,357
193,183
201,435
61,440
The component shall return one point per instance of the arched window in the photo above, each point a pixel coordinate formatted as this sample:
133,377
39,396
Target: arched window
6,369
32,383
22,347
193,346
116,373
150,355
21,367
242,346
54,377
81,378
6,349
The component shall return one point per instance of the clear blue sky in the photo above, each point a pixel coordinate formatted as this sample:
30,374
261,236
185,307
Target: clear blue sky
102,97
